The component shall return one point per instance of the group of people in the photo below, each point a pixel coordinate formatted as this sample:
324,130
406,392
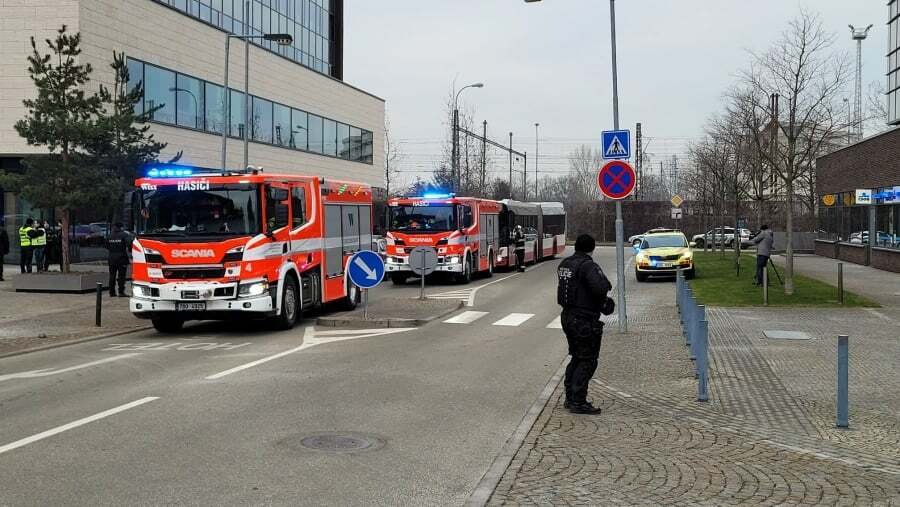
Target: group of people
39,244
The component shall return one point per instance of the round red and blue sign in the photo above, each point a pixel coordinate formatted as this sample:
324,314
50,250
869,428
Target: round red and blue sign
616,179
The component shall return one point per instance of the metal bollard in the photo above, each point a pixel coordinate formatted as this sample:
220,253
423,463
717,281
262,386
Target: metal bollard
765,282
841,282
700,316
678,281
99,306
843,356
688,315
703,361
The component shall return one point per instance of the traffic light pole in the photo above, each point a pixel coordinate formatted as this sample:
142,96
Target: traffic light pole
620,233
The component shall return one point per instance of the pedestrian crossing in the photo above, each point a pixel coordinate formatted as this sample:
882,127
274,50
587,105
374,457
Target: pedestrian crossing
509,320
457,295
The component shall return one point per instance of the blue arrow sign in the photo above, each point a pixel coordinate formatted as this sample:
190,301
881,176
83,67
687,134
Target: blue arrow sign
616,144
365,269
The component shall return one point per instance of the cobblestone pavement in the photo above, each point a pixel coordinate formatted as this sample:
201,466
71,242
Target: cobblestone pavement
766,437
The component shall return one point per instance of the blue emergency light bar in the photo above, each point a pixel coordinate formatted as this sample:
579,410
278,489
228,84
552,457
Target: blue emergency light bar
169,173
438,196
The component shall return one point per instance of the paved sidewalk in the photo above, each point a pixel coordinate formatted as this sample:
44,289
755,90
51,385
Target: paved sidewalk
766,437
876,284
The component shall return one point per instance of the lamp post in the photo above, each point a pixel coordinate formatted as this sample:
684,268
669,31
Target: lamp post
454,163
858,35
620,254
536,157
282,39
196,103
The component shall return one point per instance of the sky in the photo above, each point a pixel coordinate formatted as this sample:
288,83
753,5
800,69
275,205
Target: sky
549,62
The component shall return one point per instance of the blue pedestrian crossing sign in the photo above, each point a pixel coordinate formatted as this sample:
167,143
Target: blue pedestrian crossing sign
365,269
616,144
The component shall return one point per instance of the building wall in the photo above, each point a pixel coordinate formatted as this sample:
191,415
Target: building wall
872,163
20,20
888,260
852,253
157,34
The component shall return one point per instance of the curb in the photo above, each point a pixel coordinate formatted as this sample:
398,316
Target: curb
386,322
489,481
74,342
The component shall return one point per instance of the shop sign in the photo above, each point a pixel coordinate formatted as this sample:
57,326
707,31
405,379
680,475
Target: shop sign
828,199
863,196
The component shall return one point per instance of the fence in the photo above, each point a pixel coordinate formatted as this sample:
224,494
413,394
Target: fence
695,330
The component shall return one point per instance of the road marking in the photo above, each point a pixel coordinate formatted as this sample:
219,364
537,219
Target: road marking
466,317
75,424
156,346
47,372
555,323
310,340
514,319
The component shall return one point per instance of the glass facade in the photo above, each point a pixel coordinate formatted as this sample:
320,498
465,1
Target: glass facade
845,221
315,26
185,101
893,60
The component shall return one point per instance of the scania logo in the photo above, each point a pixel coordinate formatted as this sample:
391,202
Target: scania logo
207,252
420,240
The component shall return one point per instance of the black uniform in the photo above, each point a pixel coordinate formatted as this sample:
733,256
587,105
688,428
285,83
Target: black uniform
582,293
118,243
519,239
4,248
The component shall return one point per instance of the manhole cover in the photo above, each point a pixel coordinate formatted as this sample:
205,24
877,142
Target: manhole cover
337,442
774,334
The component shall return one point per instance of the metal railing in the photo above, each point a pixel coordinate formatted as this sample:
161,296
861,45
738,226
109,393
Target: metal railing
695,329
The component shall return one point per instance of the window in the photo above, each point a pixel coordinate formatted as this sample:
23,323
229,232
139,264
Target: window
277,211
367,148
237,114
298,206
355,144
135,78
315,133
343,140
214,104
301,129
159,94
189,98
262,120
329,136
467,218
282,125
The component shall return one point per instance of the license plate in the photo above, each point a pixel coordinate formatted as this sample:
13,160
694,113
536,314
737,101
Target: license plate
664,265
188,307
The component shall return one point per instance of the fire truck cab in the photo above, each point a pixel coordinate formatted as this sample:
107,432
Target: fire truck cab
465,231
212,246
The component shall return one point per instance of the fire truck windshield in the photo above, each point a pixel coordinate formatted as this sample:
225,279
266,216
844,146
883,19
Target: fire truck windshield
433,218
213,210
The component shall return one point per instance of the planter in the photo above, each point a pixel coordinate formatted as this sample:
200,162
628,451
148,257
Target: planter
76,282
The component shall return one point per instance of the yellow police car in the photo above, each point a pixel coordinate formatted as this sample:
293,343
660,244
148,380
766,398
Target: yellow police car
662,254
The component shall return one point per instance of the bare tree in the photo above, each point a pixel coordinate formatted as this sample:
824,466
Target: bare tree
393,156
809,78
876,119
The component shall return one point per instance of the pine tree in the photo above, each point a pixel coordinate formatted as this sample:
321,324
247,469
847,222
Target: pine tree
63,119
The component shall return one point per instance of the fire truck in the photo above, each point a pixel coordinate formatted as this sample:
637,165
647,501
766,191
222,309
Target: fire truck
246,244
465,231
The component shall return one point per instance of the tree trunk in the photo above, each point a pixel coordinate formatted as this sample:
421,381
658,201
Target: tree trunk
64,264
737,234
789,239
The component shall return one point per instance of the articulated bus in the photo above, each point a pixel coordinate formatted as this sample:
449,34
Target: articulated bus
213,246
544,224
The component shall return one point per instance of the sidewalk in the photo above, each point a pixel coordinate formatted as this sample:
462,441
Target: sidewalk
766,436
876,284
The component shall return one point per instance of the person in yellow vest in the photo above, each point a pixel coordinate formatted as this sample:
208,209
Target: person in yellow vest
25,246
38,245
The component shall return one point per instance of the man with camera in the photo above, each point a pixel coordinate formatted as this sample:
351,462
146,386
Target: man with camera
582,293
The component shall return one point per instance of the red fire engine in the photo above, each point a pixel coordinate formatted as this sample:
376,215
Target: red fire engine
465,231
212,246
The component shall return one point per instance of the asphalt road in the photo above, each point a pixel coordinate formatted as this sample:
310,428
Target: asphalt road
216,415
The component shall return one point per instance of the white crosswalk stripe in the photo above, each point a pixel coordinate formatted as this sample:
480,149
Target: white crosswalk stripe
514,319
458,295
466,317
555,323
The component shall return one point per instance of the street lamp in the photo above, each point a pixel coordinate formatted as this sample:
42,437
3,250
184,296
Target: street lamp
454,163
196,103
282,39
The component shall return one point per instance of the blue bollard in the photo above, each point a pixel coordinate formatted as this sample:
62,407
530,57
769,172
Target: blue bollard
688,319
843,356
700,315
703,361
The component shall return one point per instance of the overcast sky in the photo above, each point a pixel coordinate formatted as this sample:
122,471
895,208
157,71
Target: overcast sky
549,62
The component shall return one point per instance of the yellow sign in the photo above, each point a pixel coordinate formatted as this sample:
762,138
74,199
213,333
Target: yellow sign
828,199
848,199
677,200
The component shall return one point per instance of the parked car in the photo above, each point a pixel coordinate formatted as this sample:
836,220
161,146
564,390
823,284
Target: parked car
862,238
636,239
716,236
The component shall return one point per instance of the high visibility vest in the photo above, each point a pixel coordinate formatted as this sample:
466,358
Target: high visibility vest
40,240
24,240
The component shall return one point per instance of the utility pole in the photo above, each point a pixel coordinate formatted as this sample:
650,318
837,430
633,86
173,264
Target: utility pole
638,161
620,228
483,155
859,36
510,167
675,171
536,157
454,155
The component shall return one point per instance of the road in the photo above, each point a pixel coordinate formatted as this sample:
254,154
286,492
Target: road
216,414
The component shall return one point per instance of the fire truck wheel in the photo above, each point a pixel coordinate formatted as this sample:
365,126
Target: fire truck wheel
353,297
290,307
167,324
466,275
398,278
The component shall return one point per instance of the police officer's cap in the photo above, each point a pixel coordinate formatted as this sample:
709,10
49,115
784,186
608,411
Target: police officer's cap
585,243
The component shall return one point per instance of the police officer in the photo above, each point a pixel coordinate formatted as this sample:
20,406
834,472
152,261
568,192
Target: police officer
519,238
118,242
582,293
4,244
27,233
